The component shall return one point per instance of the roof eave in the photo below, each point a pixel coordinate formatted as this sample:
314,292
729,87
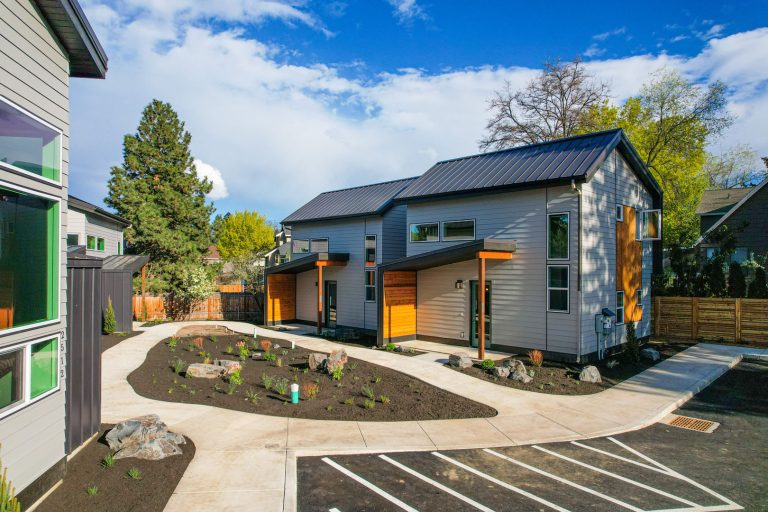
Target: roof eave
489,190
730,212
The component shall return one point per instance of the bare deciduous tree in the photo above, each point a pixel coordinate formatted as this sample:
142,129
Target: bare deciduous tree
553,105
734,168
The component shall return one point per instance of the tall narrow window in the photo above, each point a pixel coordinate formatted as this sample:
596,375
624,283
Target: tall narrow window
425,232
557,288
557,236
28,143
370,249
11,378
651,225
91,242
619,213
44,367
619,307
100,244
370,285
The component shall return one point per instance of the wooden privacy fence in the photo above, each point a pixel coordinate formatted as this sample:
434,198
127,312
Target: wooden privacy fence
711,319
218,306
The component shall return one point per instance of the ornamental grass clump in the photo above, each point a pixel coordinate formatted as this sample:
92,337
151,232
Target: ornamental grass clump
267,381
487,364
172,343
282,386
367,391
536,357
8,501
310,390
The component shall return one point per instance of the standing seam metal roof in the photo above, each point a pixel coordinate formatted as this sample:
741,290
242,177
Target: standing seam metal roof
350,202
560,159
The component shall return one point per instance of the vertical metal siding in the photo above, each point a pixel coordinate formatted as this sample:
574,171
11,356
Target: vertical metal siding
119,286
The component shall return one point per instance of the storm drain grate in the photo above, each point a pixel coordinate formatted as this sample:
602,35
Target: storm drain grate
689,423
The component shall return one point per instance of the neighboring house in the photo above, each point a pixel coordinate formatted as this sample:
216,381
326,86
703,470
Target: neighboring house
212,256
282,251
561,232
744,211
100,231
43,43
338,240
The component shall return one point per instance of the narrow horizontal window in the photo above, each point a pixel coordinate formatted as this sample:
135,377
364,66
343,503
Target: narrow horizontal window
28,144
28,373
370,285
424,232
557,236
458,230
557,288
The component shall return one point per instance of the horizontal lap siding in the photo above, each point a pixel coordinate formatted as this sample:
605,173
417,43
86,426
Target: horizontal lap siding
399,312
394,234
34,76
306,296
110,232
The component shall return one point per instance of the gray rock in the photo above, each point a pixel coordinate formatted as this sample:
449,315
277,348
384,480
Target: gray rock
460,360
590,374
518,372
650,353
338,358
205,371
256,355
317,361
230,366
275,346
501,371
399,348
144,437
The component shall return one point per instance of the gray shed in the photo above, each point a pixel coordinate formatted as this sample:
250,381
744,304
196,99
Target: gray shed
117,277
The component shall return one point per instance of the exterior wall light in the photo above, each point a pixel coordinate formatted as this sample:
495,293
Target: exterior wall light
459,284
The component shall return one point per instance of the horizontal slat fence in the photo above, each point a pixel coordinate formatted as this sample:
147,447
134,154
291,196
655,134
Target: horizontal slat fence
734,320
218,306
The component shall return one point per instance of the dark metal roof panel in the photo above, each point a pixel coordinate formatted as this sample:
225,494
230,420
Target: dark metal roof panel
304,263
125,262
78,204
349,202
452,254
560,159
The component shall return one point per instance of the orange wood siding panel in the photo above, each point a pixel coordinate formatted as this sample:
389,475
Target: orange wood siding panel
629,264
281,298
399,317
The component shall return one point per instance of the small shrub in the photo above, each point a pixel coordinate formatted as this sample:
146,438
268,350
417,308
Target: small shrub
337,373
282,386
376,379
229,349
390,347
329,408
134,474
384,399
310,390
92,490
352,366
172,343
349,401
242,350
107,462
269,356
267,381
279,362
190,347
536,357
265,345
178,365
369,404
367,391
632,348
110,322
198,342
236,377
213,339
231,388
487,364
252,396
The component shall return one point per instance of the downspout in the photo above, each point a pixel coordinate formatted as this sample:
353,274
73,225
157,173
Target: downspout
577,190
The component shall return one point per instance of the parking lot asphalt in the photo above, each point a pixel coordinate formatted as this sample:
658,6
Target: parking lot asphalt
659,468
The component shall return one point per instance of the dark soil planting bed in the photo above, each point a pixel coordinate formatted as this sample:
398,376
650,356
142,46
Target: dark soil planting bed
366,392
110,340
563,379
90,486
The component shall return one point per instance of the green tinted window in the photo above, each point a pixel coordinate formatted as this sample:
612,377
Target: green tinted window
44,367
11,388
100,244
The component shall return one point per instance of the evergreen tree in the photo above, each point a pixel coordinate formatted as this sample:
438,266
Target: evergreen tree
159,191
110,323
737,284
758,288
713,277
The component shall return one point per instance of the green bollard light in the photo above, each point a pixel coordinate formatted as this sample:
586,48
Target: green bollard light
294,393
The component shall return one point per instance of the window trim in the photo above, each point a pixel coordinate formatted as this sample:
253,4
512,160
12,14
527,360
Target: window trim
638,225
365,288
410,239
619,213
623,307
375,250
567,289
642,224
568,236
95,244
26,348
57,318
293,244
103,244
78,239
319,239
25,172
441,233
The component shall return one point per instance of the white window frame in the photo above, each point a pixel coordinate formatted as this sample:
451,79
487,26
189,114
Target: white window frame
638,224
619,213
57,318
103,244
567,289
441,234
375,249
320,239
412,241
639,298
47,125
623,307
568,236
95,242
73,234
372,271
293,246
642,223
26,348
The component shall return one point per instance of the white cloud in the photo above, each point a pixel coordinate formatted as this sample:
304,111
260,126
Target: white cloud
214,175
605,35
407,10
280,133
594,50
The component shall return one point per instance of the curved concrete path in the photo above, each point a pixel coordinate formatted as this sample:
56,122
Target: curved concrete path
244,458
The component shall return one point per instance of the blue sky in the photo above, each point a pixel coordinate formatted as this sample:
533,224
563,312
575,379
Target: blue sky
285,99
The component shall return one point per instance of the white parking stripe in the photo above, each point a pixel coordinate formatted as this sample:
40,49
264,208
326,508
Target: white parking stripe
501,483
384,494
440,486
566,481
609,454
618,477
334,510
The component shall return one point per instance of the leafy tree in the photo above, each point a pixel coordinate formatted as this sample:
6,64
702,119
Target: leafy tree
737,284
196,285
552,105
758,289
734,168
670,122
713,277
245,235
159,191
110,322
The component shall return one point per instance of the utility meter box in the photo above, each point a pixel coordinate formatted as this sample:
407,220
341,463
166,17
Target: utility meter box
604,322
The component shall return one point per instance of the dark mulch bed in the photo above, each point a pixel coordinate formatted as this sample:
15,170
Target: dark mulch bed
563,379
110,340
116,491
405,398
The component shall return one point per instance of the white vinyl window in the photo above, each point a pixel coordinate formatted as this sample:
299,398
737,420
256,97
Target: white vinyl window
454,230
300,246
557,288
318,245
425,232
29,144
651,224
370,286
619,307
639,309
370,249
619,213
557,236
28,372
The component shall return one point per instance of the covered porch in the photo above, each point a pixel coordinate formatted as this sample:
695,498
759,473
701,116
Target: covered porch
280,305
398,295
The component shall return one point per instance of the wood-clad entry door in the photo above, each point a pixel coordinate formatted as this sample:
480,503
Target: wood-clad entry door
330,304
474,313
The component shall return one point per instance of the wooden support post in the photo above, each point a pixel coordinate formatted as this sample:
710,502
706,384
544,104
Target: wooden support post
694,318
143,292
266,300
319,299
656,316
738,320
481,308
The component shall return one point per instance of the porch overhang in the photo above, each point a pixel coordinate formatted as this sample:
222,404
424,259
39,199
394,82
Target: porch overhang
310,262
488,248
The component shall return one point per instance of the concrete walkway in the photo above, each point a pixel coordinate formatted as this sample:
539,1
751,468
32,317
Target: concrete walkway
245,458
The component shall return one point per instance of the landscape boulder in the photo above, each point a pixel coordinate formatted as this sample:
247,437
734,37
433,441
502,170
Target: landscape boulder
229,366
337,359
144,437
501,371
399,348
518,372
460,360
205,371
590,374
651,354
317,361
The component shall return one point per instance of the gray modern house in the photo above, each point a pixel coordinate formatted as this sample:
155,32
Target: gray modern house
564,237
98,230
43,43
